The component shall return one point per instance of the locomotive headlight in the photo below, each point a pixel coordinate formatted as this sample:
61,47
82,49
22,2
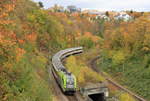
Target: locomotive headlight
106,93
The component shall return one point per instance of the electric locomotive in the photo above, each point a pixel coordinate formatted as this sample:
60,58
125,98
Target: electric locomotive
66,80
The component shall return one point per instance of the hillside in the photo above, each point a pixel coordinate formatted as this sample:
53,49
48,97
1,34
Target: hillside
126,54
28,34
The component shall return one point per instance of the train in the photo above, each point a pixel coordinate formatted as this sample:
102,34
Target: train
66,80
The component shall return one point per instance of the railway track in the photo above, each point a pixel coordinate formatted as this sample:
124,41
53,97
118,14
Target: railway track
72,98
93,65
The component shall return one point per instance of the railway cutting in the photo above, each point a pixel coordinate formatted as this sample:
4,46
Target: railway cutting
93,65
67,81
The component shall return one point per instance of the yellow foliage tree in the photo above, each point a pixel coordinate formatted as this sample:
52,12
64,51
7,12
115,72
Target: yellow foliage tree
82,72
126,97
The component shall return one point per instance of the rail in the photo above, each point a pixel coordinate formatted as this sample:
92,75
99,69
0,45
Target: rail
114,83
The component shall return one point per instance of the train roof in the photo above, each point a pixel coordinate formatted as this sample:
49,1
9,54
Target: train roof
58,57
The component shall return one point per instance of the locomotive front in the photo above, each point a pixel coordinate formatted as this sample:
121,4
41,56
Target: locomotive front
70,83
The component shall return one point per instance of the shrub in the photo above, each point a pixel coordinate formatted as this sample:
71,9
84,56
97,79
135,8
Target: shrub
82,72
126,97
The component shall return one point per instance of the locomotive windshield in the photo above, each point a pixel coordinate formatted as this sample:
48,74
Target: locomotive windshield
70,80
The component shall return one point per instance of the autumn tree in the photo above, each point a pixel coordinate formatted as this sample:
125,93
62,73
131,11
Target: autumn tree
41,4
125,52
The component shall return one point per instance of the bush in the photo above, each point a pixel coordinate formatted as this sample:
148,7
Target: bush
126,97
82,72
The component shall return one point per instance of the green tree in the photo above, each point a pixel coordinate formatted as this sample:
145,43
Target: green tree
41,4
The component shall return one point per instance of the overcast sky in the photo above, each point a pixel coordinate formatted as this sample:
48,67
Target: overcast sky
106,5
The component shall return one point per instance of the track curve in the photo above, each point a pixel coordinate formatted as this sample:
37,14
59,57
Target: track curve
93,65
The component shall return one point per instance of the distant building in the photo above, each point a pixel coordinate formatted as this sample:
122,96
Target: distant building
103,16
57,8
123,16
93,12
73,8
94,15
